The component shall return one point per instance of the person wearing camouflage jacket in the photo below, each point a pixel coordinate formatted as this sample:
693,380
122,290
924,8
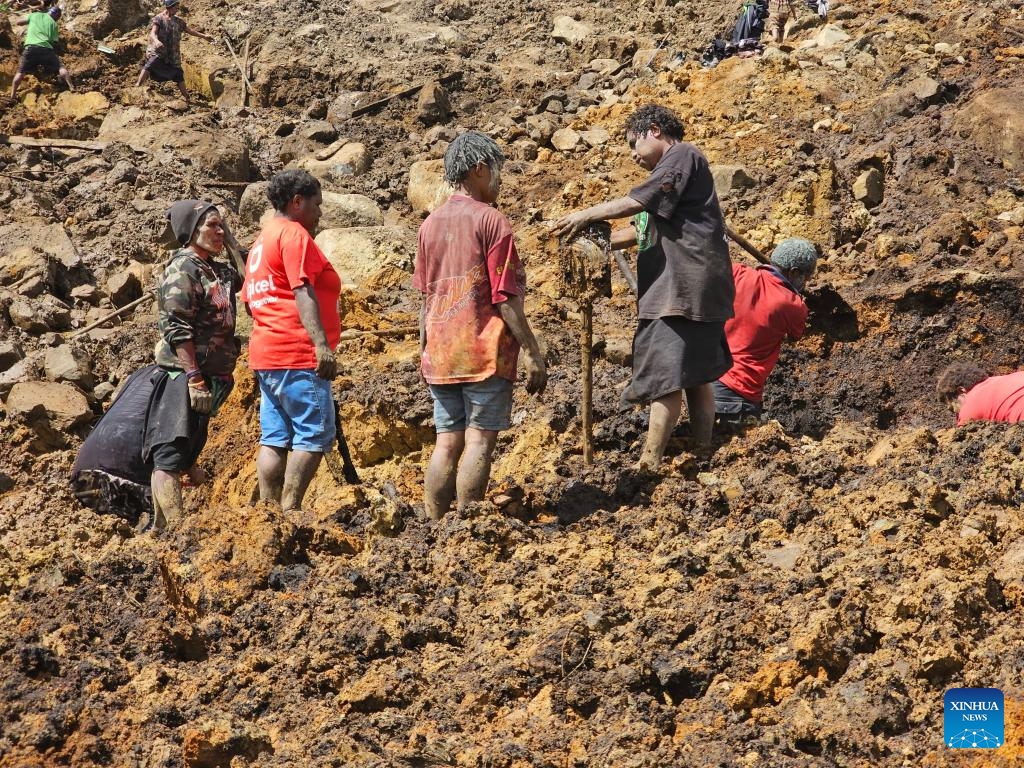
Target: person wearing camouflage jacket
197,304
150,439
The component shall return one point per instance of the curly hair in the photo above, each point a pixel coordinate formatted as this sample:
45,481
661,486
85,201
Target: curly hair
287,184
466,151
958,378
654,114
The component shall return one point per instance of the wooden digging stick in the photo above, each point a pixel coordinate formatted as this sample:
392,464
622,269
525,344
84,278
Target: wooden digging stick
112,315
353,333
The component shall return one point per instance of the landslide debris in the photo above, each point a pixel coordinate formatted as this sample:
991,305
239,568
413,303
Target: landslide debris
803,598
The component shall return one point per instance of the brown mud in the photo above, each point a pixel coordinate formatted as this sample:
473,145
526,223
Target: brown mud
802,598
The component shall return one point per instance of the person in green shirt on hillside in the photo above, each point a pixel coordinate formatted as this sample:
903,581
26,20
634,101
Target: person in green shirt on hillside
40,37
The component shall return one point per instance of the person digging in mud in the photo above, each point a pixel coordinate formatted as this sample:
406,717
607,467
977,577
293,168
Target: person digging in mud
472,324
684,277
292,292
163,52
973,395
768,309
153,433
41,35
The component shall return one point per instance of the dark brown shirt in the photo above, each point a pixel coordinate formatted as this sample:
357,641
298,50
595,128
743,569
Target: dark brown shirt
683,265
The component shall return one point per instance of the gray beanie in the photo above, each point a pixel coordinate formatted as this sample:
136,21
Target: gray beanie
795,253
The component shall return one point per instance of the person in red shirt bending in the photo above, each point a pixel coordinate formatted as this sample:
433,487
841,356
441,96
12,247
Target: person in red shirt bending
472,324
768,309
973,395
292,292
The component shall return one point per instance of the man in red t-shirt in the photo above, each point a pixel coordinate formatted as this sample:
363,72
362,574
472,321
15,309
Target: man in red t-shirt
973,395
768,309
472,324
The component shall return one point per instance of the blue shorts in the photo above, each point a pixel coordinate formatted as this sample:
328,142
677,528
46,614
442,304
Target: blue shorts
484,405
296,410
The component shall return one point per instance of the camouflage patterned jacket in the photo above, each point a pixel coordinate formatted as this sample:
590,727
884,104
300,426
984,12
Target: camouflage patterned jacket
196,302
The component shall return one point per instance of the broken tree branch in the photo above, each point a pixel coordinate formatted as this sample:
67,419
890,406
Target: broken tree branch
353,333
245,78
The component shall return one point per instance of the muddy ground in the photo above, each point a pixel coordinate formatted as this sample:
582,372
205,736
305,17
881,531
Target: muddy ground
803,598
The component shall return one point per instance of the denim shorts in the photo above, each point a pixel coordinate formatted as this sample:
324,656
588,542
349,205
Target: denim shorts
484,405
296,410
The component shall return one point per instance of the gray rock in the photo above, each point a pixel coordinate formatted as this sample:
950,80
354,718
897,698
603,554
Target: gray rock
103,391
123,288
729,178
319,131
88,293
66,363
39,315
20,371
869,188
10,353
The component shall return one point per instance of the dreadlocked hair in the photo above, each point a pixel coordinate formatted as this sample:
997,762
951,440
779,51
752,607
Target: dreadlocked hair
466,151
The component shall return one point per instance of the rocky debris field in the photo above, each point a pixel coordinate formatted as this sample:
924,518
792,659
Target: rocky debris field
803,598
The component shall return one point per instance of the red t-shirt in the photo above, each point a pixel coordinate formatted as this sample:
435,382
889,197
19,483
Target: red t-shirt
767,311
466,264
997,398
284,257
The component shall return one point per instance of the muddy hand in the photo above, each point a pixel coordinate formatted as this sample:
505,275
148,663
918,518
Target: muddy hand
536,375
567,226
199,396
326,363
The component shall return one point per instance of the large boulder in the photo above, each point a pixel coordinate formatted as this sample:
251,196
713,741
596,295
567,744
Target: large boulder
994,121
40,315
427,186
253,203
62,405
216,153
352,159
37,235
359,252
343,210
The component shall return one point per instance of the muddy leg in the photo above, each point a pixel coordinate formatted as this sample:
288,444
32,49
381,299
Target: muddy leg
166,498
184,91
439,486
664,416
475,466
270,465
14,85
298,474
143,77
700,402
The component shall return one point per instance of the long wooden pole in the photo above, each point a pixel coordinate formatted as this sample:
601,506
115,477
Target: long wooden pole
112,315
